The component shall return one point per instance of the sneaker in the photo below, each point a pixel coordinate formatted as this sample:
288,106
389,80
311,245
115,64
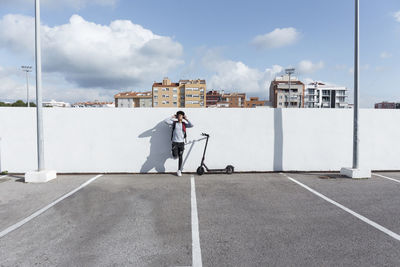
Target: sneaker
179,173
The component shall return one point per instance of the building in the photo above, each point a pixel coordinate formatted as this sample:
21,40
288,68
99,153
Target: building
95,104
56,104
320,95
387,105
213,97
235,100
133,100
279,92
220,99
255,102
185,93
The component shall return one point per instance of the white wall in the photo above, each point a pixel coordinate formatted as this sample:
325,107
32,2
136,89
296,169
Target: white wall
137,140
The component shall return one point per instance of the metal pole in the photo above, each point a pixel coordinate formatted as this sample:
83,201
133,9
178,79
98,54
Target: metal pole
27,90
356,86
290,100
39,89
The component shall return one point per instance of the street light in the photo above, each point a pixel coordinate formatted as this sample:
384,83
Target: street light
27,69
355,171
289,72
41,175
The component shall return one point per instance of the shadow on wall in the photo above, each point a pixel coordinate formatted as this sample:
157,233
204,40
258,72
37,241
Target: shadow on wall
160,147
278,140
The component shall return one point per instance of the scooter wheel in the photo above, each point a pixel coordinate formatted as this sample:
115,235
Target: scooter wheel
229,169
200,170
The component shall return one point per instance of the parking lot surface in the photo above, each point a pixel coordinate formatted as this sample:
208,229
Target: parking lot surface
254,219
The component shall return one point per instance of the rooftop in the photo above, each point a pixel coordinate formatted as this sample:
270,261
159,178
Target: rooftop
290,219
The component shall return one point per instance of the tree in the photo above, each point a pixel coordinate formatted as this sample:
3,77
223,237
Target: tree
19,103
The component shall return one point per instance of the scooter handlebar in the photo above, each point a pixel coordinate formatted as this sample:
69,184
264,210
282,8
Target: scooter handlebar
204,134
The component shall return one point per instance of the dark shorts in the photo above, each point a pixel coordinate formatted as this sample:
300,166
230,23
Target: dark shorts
177,149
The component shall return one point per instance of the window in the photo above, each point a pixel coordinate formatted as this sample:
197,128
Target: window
155,103
167,102
155,90
175,96
175,103
201,89
175,90
196,95
165,96
155,97
189,95
164,102
165,89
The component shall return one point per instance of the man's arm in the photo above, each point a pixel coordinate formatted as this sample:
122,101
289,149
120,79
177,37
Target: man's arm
188,124
170,120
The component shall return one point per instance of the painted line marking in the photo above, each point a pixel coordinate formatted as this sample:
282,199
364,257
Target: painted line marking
382,176
3,176
196,250
359,216
42,210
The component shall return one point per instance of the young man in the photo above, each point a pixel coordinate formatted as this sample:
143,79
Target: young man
179,123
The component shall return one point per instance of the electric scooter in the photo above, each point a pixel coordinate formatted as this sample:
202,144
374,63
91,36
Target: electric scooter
202,168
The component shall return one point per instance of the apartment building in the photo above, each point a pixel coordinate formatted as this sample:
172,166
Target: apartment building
281,97
56,104
212,98
387,105
94,104
255,102
320,95
235,100
133,100
185,93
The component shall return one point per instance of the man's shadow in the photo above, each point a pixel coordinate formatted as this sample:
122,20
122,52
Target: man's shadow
160,147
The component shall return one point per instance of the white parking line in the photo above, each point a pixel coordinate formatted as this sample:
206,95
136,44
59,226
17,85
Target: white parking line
362,218
382,176
37,213
196,250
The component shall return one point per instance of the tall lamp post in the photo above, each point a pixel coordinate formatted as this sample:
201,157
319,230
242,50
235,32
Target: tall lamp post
27,69
41,175
356,171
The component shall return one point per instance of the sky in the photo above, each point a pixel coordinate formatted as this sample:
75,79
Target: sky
92,49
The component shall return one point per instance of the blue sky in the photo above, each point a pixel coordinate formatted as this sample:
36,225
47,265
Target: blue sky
93,49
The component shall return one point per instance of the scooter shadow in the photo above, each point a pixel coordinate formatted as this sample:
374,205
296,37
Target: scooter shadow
191,143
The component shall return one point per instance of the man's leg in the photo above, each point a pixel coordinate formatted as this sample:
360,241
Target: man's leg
181,149
175,150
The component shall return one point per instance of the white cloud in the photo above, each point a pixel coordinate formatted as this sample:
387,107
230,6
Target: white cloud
308,67
385,55
90,55
277,38
11,87
396,16
76,4
237,76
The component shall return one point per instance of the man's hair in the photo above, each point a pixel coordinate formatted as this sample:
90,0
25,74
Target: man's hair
180,112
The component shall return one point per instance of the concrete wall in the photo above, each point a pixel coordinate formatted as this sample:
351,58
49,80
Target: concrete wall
137,140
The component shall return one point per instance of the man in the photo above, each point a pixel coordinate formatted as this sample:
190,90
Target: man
179,123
